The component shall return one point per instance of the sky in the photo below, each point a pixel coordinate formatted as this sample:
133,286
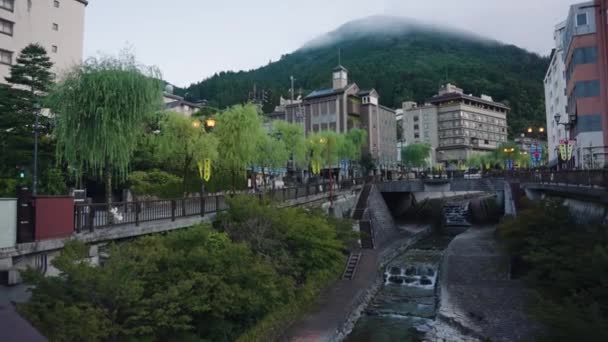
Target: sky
190,40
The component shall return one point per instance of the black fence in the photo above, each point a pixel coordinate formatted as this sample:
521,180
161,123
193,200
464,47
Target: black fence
88,217
587,178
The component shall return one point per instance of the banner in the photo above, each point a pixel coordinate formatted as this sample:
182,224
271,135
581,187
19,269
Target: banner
570,150
563,151
207,170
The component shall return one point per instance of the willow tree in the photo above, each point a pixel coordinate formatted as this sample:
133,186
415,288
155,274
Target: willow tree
184,142
101,107
238,130
271,153
293,136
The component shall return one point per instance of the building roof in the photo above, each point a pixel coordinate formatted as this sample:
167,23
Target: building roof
340,67
457,96
84,2
178,103
327,92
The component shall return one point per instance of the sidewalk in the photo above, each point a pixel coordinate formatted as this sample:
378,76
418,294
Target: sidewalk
346,298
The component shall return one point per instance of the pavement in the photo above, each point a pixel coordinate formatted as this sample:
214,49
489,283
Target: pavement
477,294
336,306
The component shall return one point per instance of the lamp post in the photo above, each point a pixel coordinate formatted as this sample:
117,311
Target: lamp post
36,122
325,141
566,125
509,152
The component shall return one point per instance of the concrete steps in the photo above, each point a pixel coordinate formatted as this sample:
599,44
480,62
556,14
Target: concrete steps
351,266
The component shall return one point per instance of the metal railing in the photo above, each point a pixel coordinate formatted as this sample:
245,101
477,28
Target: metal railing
586,178
88,217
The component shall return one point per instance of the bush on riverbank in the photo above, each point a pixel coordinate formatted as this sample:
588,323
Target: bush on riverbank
196,284
567,265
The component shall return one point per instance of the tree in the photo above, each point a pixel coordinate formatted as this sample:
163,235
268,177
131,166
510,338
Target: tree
32,76
416,155
238,130
271,153
184,142
101,108
295,142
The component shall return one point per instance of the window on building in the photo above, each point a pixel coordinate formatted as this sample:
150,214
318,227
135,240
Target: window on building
416,118
587,89
416,136
8,5
589,123
6,57
6,27
55,27
416,127
54,48
581,19
56,4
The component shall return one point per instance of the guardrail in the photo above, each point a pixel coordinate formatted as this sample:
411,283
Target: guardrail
587,178
88,217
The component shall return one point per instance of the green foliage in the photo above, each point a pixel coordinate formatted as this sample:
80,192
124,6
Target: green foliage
53,183
183,142
295,142
401,66
295,241
416,155
101,109
31,73
238,130
155,183
8,187
271,152
353,141
195,284
567,265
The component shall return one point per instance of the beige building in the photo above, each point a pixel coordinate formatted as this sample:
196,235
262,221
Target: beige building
467,124
57,25
343,107
420,126
456,125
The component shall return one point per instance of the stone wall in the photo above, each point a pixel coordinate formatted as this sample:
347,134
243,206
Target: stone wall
382,218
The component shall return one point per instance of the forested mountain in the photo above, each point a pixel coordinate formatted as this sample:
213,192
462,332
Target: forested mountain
403,60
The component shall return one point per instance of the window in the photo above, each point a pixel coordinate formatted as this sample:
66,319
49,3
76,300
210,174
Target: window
589,123
55,27
415,119
6,27
56,4
8,5
416,136
587,89
416,127
6,57
54,48
581,19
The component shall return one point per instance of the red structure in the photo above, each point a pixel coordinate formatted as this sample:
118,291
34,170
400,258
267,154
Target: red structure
54,217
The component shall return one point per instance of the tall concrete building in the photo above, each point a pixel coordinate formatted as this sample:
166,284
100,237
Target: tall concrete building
57,25
343,107
585,70
420,126
555,97
456,125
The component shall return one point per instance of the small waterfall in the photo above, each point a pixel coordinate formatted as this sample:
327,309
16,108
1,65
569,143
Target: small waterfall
421,275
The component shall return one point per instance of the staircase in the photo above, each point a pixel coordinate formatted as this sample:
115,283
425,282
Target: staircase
366,234
455,215
362,202
351,266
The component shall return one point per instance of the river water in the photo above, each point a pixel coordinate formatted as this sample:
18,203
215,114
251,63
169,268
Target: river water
405,307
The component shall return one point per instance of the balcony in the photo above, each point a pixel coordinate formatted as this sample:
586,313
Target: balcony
353,107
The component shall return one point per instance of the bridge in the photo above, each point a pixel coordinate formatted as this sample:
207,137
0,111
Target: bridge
35,243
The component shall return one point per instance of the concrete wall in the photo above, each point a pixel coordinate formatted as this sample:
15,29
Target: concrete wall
382,218
8,222
33,23
54,217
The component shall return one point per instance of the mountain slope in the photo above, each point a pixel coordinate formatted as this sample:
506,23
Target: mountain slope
403,60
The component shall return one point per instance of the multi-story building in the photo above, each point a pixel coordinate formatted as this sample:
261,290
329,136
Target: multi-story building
57,25
420,126
343,107
585,58
456,125
555,97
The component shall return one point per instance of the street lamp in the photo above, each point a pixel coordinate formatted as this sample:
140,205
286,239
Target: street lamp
566,125
325,141
196,124
210,123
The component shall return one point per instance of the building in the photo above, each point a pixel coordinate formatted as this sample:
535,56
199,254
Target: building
555,97
585,58
456,125
56,25
343,107
178,104
420,126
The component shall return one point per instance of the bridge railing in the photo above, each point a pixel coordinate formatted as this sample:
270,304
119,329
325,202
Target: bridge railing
88,217
587,178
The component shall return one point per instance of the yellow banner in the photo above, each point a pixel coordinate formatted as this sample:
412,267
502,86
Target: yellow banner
563,151
570,149
200,168
207,170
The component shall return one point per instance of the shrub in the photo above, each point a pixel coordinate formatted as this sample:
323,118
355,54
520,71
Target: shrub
155,183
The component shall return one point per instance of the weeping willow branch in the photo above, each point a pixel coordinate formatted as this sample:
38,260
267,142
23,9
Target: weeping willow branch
101,107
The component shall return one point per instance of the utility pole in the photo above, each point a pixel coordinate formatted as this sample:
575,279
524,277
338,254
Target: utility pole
292,90
36,122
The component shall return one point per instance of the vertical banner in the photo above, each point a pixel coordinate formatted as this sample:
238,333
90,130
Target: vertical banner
570,149
207,170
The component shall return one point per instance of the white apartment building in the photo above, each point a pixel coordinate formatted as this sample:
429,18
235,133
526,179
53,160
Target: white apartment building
57,25
420,126
555,96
